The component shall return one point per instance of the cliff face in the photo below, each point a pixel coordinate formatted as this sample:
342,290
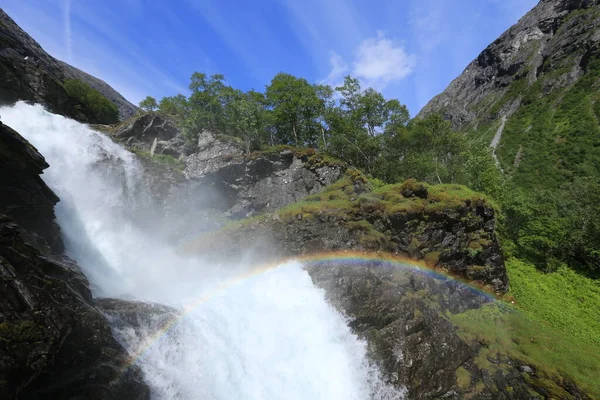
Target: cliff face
28,73
215,174
54,343
553,43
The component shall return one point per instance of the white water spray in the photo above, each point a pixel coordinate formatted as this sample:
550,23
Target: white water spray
272,336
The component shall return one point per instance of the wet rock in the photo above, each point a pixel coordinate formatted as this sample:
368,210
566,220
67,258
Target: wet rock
54,343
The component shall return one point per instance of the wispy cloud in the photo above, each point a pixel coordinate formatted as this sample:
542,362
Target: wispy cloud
66,6
377,63
319,24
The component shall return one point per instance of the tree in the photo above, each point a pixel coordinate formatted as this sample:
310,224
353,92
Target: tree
148,104
175,106
425,149
295,107
206,105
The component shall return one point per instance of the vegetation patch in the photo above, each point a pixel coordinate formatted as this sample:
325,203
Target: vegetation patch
162,159
103,110
20,331
504,331
565,300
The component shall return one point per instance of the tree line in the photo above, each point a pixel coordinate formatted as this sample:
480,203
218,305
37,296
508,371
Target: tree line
355,124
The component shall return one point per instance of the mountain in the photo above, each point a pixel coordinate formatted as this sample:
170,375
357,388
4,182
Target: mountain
532,94
28,73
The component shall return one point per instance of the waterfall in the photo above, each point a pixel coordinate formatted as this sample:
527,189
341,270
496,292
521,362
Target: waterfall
270,336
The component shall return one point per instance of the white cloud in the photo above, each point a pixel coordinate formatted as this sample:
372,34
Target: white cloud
339,68
378,62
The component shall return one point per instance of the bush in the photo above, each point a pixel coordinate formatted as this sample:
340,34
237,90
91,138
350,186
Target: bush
102,110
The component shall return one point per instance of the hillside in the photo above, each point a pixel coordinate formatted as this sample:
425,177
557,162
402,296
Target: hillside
27,72
532,94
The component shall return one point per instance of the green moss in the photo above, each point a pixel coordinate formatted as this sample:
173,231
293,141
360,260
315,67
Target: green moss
503,331
163,159
432,258
21,331
463,378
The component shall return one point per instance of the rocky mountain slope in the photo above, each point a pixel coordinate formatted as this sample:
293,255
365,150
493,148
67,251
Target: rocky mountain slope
28,73
54,343
555,35
532,94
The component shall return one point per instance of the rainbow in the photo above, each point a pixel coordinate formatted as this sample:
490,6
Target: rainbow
338,257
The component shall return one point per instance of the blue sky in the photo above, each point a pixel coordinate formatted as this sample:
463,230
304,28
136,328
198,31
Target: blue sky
408,49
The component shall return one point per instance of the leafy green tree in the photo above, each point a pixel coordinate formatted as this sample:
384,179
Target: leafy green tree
295,106
148,104
481,172
175,106
354,134
206,105
245,117
425,149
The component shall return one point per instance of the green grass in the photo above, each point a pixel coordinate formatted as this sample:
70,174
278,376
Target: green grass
504,331
564,300
553,325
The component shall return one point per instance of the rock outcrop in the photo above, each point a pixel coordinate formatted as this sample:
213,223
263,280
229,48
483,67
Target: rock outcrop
54,343
554,42
456,234
28,73
407,320
150,133
261,182
216,173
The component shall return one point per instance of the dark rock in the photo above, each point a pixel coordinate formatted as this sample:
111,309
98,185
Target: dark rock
54,344
244,185
136,313
28,73
25,197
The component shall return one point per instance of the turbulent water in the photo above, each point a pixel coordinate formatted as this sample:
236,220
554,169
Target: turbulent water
271,336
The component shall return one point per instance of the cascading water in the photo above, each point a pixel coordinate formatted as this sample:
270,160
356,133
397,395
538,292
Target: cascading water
272,336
